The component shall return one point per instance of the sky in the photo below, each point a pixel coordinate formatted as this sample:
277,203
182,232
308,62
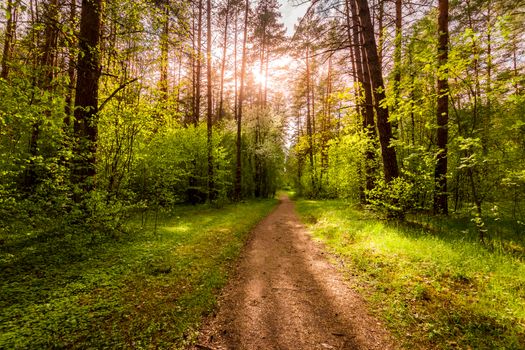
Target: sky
291,13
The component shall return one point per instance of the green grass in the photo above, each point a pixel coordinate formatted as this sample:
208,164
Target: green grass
147,289
434,290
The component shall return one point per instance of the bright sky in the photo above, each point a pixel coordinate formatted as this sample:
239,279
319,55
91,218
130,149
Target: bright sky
291,13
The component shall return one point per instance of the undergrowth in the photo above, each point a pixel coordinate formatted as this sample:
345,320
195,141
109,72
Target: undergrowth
145,289
436,289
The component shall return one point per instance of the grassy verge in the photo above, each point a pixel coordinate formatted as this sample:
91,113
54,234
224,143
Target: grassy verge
434,291
148,289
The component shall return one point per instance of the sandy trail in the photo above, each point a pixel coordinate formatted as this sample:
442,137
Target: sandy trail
285,295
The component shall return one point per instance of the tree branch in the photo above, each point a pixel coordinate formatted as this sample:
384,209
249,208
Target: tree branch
122,86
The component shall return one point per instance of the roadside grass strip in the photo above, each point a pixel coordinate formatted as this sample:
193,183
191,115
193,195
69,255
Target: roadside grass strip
147,289
434,290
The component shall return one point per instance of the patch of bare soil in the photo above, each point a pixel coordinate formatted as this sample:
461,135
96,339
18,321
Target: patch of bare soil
285,295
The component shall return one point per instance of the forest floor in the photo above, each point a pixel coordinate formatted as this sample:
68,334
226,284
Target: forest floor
286,295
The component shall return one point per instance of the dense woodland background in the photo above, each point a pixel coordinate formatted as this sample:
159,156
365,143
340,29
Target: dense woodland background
108,108
114,113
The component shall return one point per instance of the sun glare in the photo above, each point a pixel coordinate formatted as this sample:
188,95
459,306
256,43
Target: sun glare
259,78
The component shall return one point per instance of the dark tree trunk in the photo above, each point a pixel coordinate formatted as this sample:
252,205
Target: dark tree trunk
86,98
209,119
440,174
383,125
367,110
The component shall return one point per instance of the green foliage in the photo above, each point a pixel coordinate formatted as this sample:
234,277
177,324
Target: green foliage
395,198
345,156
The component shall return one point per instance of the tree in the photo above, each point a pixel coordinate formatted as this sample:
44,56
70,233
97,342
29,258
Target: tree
384,127
209,118
10,29
238,142
440,174
86,97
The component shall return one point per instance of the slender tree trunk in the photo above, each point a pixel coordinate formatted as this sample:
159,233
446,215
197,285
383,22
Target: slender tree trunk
164,51
235,72
397,51
220,114
265,97
196,116
8,38
381,28
440,173
353,58
309,118
325,125
191,117
488,88
209,119
383,125
86,98
238,168
70,71
357,77
363,76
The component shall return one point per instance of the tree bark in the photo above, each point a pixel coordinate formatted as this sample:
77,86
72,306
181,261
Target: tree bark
86,98
209,119
8,39
196,114
384,127
70,71
363,75
164,51
397,51
309,127
440,173
220,113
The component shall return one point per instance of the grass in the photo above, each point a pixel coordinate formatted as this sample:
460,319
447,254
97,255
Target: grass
434,290
148,289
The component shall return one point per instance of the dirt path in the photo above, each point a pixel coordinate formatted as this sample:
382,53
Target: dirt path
285,295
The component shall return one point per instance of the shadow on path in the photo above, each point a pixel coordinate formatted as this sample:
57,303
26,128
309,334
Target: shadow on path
285,295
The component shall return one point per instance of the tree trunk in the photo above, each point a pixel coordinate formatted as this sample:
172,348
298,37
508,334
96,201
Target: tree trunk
238,168
309,132
86,98
384,128
397,51
363,76
209,119
8,38
381,28
164,48
440,173
70,72
223,64
196,114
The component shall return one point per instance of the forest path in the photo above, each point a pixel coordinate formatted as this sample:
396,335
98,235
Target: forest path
285,295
